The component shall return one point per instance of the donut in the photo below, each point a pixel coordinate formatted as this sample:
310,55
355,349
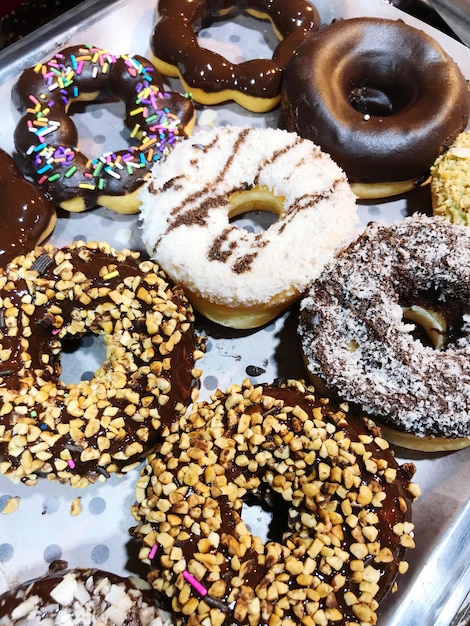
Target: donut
361,89
211,78
450,182
82,432
79,596
343,511
28,217
47,138
233,277
357,324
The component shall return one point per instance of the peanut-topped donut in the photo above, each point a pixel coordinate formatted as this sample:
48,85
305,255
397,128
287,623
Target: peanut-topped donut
237,278
343,511
207,75
387,325
83,432
48,139
27,216
380,96
79,597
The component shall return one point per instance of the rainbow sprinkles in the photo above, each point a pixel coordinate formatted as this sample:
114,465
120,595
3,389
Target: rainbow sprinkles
47,138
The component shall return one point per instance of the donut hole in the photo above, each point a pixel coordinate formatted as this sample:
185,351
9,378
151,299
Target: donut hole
437,323
81,357
256,209
228,33
380,88
266,517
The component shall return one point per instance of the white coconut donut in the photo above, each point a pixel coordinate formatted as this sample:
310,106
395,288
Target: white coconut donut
237,278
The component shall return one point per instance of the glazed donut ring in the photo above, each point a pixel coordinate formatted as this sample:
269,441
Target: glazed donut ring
48,139
237,278
211,78
28,217
361,89
79,596
83,432
344,503
356,336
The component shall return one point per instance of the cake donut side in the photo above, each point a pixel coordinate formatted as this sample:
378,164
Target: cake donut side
386,326
342,503
78,597
237,278
360,88
85,431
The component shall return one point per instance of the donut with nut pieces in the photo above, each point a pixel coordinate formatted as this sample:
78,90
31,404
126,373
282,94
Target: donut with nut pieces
47,138
85,431
342,507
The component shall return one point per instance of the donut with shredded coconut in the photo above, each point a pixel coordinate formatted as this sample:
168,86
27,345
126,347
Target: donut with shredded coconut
342,506
387,326
237,278
80,433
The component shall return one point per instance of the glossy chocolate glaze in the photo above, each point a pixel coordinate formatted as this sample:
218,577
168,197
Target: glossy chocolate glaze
155,117
144,380
175,42
289,436
27,215
381,97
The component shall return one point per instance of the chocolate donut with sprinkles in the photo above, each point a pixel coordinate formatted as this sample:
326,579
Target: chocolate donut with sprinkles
85,431
47,138
342,503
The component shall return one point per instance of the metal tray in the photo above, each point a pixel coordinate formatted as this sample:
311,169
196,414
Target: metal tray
436,590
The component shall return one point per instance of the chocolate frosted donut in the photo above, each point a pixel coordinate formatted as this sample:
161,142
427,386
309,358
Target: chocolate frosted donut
47,138
79,597
342,511
381,97
210,77
357,336
83,432
28,217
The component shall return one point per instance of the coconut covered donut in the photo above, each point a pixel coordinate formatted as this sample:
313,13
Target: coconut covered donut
83,432
47,138
387,325
343,510
79,597
234,277
28,217
360,88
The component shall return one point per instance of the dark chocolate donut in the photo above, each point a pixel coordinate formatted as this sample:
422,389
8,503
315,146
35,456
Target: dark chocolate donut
381,97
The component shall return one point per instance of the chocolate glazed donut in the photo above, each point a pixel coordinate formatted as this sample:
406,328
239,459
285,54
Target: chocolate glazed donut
211,78
383,98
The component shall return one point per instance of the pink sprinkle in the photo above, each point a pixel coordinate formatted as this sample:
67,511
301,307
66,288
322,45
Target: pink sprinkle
71,463
56,331
195,583
153,551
